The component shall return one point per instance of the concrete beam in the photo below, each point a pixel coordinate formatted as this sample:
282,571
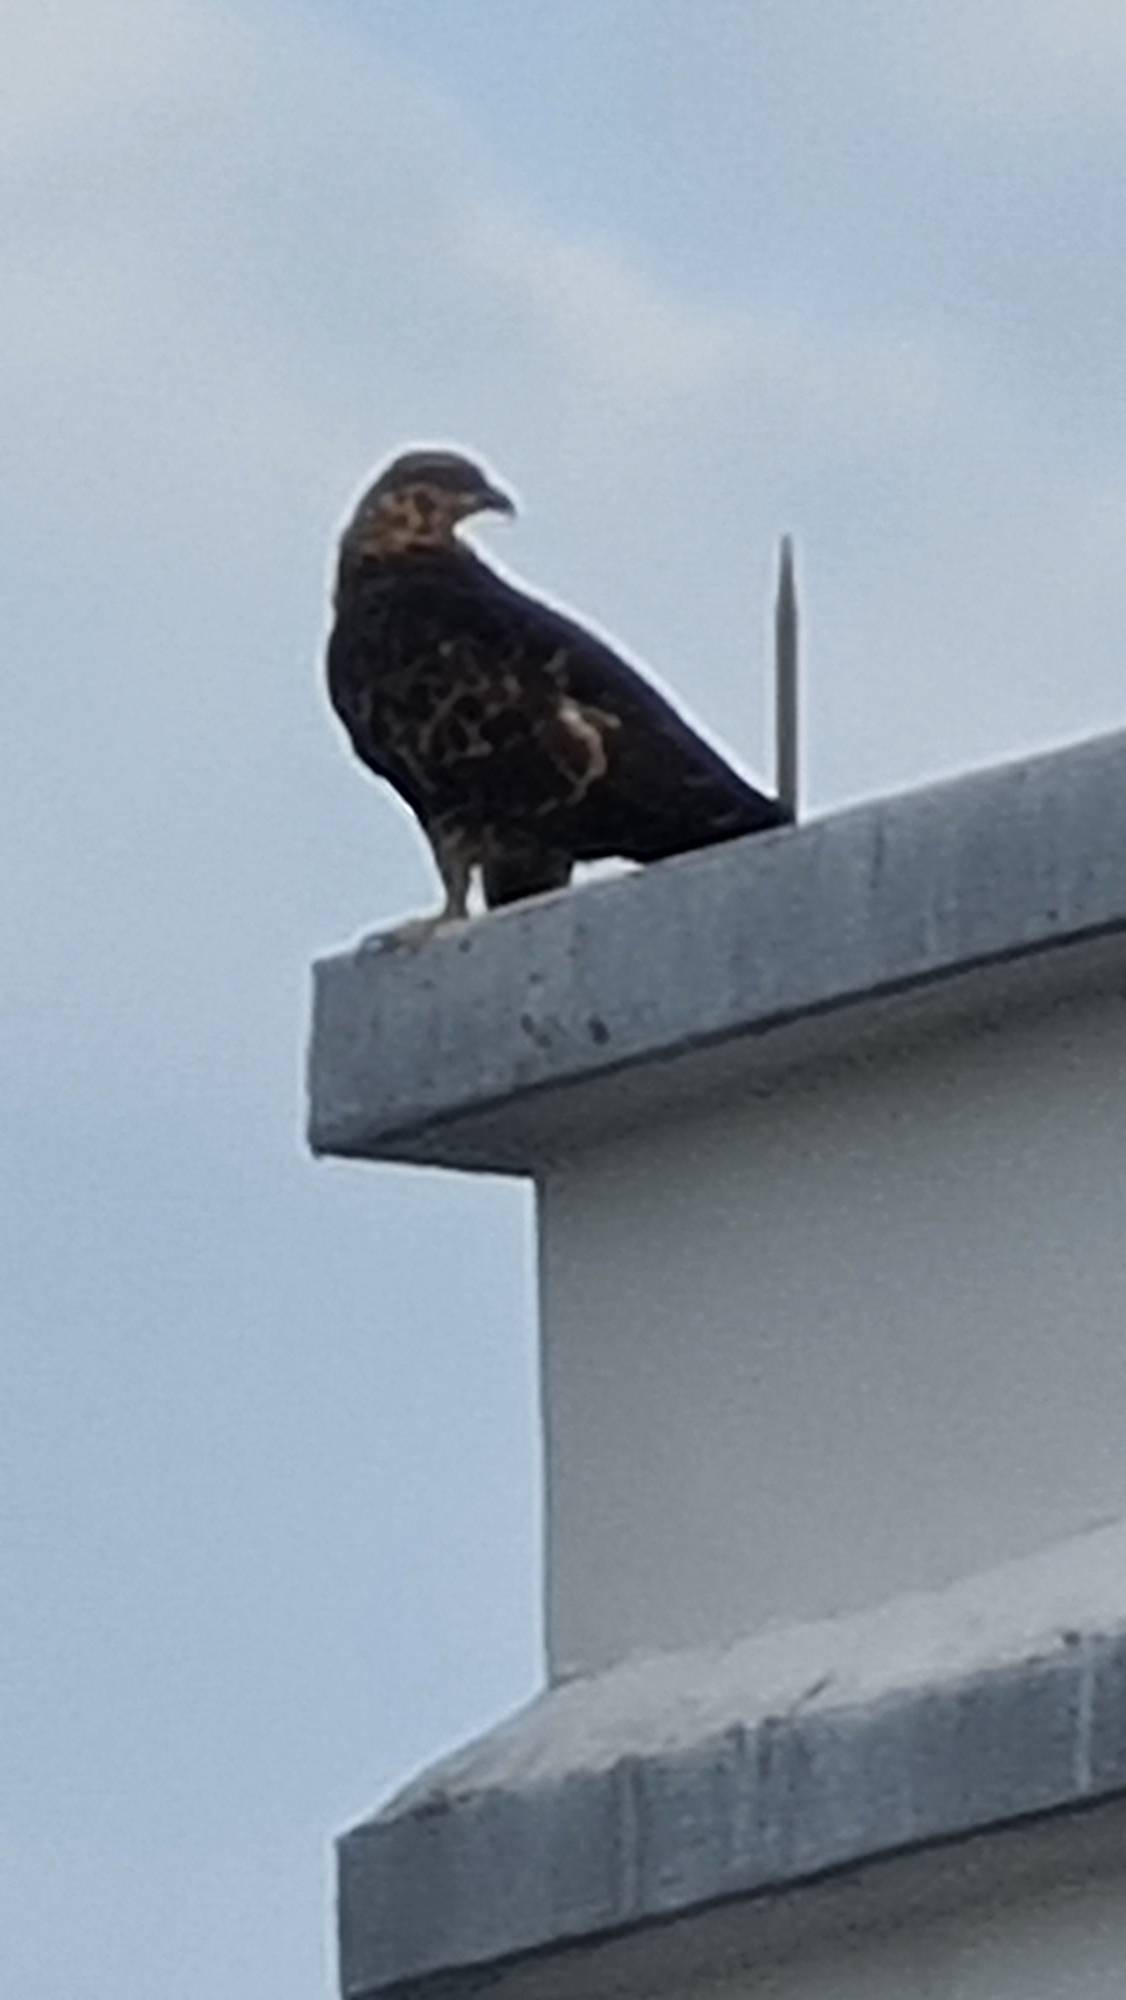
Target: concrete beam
520,1034
668,1783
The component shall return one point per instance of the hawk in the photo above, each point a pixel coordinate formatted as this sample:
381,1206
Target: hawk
521,742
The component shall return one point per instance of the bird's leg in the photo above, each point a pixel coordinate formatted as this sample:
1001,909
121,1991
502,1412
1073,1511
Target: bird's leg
455,858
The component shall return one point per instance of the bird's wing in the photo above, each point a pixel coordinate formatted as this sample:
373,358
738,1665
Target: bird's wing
665,790
447,693
469,695
358,643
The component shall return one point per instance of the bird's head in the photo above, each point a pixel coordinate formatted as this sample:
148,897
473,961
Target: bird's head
418,501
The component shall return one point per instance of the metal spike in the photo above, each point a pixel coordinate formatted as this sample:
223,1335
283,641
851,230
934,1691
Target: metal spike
786,681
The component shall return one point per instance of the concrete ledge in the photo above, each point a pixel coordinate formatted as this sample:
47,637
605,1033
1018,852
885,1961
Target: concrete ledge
437,1055
666,1784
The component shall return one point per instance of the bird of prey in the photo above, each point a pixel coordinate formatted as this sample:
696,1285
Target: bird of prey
521,742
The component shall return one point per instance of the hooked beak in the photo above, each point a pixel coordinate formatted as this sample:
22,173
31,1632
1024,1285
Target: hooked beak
496,502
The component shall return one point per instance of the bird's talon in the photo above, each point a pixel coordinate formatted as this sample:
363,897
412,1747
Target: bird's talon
418,932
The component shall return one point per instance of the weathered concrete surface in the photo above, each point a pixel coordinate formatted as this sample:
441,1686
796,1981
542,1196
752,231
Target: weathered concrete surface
665,1784
474,1050
1031,1910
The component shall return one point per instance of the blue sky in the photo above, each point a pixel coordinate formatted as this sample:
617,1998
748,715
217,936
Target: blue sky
688,273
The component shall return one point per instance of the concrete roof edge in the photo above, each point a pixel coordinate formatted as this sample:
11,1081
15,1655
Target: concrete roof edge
409,1048
670,1782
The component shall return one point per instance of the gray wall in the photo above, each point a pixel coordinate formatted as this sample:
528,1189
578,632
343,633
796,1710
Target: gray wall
859,1333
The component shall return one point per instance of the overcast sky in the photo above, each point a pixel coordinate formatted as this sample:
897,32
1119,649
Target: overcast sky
687,273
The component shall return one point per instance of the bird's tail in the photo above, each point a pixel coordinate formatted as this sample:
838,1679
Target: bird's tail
647,815
702,819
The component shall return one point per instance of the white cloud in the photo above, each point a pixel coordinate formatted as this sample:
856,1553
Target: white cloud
648,352
598,310
77,75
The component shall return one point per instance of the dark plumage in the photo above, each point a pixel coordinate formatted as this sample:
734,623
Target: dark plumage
521,742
